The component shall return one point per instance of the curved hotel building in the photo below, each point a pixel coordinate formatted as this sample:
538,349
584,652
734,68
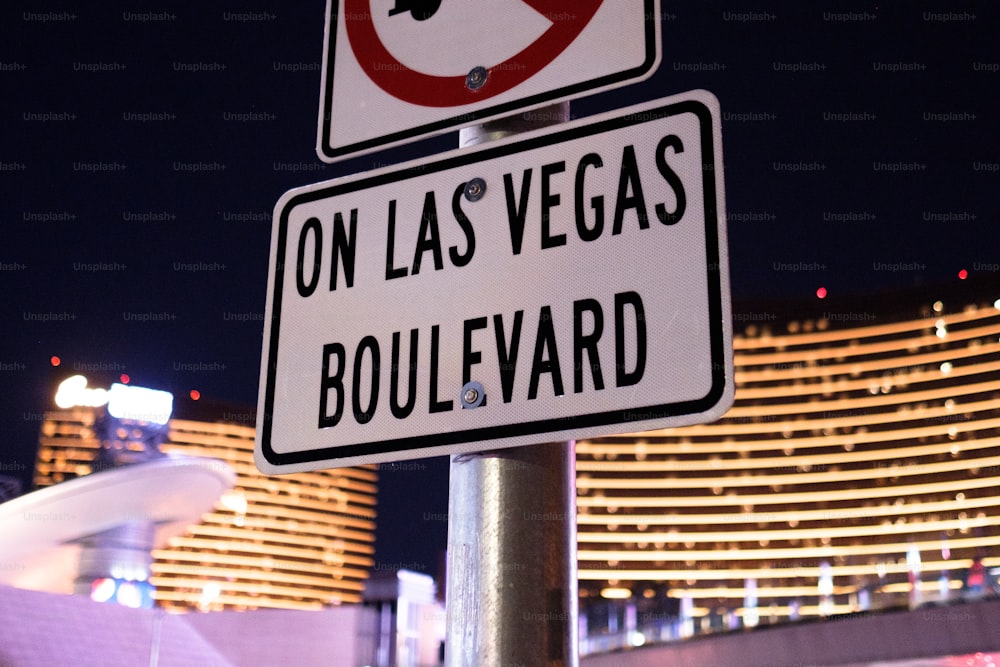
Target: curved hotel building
859,468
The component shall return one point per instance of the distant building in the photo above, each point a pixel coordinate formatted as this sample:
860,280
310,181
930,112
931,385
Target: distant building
410,625
300,541
860,433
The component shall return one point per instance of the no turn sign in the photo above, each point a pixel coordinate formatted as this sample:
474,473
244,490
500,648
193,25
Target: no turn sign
395,70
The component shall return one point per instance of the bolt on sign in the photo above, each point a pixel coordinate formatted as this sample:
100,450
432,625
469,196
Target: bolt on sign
569,282
396,70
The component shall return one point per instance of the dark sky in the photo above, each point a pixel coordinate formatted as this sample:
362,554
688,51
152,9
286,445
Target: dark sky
861,143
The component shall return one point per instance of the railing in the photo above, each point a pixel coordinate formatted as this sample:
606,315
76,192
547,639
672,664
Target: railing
673,629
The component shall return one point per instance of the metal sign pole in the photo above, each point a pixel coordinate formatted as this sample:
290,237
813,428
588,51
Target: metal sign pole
511,591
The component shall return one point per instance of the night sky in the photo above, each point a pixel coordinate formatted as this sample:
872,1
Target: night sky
861,143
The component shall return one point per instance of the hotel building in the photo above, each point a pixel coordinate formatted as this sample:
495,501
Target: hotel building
300,541
858,468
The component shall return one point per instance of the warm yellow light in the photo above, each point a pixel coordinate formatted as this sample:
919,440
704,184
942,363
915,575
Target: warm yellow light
742,464
830,476
738,574
857,421
896,528
615,593
74,392
785,498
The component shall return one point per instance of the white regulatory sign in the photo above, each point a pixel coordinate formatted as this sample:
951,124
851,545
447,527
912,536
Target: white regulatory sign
565,283
396,70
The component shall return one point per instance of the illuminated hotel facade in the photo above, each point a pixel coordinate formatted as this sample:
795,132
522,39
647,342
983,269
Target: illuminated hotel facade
860,448
301,541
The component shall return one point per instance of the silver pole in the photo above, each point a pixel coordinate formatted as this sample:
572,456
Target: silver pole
511,590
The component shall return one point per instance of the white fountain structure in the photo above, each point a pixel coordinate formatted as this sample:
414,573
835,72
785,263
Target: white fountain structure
93,535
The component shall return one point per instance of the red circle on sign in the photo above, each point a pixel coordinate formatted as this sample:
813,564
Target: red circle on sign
568,17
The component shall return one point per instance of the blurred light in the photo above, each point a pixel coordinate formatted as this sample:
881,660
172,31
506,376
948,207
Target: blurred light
73,391
615,593
123,378
209,594
913,559
102,590
821,292
55,361
963,274
129,595
234,500
751,614
938,306
195,394
636,638
140,404
825,584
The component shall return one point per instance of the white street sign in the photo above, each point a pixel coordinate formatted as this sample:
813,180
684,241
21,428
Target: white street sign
565,283
396,70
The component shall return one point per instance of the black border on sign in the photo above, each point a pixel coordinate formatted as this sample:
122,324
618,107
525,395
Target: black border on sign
473,117
650,412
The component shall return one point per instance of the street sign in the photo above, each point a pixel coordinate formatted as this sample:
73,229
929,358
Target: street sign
396,70
565,283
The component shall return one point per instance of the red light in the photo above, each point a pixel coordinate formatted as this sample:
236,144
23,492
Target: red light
821,292
195,394
963,274
102,590
55,361
123,378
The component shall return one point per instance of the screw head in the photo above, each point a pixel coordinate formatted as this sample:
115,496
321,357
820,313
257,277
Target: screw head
475,189
472,395
476,78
